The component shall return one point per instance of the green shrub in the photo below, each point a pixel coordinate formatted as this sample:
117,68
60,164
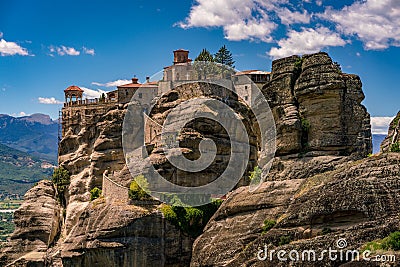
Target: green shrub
395,147
61,179
392,242
255,175
284,239
298,65
268,225
190,220
95,193
138,188
305,125
395,122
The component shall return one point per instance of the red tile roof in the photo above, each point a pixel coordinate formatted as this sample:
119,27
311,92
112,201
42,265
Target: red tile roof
137,85
73,88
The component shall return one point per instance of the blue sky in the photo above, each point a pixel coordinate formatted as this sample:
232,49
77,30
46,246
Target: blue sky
45,46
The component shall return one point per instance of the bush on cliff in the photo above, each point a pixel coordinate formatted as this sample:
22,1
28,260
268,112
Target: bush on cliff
255,175
392,242
61,180
395,147
190,220
138,188
95,193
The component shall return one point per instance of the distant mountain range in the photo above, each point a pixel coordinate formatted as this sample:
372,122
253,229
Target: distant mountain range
35,134
19,171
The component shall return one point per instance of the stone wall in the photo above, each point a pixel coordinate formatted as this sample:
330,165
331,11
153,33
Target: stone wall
114,191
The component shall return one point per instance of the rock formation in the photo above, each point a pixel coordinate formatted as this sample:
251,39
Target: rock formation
392,140
317,108
37,226
354,200
321,186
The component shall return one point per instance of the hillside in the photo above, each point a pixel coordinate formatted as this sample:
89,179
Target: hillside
19,171
35,134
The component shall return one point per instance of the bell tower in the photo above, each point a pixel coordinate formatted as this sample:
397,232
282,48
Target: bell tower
181,56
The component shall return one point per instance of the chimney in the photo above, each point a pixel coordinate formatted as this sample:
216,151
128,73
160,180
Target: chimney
147,79
135,80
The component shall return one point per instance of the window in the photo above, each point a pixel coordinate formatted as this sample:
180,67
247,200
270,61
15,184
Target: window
245,87
246,98
140,95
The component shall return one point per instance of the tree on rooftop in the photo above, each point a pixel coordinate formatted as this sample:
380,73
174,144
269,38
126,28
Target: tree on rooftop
224,56
204,65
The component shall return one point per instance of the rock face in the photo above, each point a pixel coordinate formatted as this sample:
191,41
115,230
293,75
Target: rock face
37,224
317,108
91,144
317,181
115,234
392,140
199,129
355,200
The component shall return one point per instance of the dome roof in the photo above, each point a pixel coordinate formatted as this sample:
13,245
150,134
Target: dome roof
73,88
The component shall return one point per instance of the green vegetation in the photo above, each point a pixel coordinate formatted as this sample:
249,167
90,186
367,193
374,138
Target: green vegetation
395,122
95,193
205,56
6,225
268,225
337,67
305,125
255,175
19,171
392,242
224,56
61,180
138,188
298,66
284,240
190,220
395,147
10,204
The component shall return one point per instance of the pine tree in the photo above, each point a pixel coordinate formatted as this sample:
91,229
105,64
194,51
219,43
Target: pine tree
224,56
204,65
205,56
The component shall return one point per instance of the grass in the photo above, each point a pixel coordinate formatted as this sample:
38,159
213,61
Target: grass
392,242
268,225
395,147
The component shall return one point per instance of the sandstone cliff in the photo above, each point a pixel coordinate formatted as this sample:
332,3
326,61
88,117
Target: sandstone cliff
355,200
37,226
392,140
318,181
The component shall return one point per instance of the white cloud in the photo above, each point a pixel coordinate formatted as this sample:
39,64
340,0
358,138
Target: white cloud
88,51
374,22
306,41
289,17
63,50
49,101
11,48
380,125
243,19
113,83
1,34
90,93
